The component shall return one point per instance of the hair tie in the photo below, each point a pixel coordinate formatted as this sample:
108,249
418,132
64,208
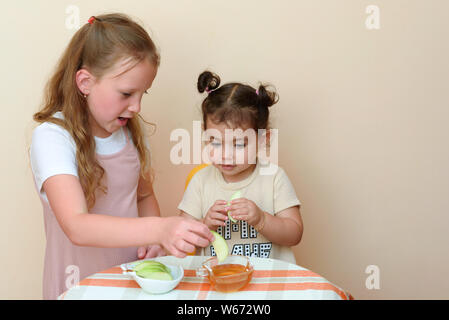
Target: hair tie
257,91
91,20
207,90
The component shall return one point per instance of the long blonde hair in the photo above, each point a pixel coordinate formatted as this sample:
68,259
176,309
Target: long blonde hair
97,46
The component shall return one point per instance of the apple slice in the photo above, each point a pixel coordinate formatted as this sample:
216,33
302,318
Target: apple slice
154,274
236,195
220,246
148,263
150,269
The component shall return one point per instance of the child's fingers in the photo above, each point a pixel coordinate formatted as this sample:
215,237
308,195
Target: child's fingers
215,219
177,248
239,200
177,253
185,245
217,222
240,214
162,253
219,205
141,251
172,250
202,232
219,215
154,251
221,208
237,206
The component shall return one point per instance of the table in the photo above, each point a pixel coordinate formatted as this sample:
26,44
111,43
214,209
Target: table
272,280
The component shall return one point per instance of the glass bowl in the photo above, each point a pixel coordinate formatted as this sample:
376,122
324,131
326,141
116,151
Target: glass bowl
229,275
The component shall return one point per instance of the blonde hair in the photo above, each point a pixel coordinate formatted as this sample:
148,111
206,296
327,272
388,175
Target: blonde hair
96,46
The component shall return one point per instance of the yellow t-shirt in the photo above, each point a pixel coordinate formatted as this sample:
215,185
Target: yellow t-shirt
272,193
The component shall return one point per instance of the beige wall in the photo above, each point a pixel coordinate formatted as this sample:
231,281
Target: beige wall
362,124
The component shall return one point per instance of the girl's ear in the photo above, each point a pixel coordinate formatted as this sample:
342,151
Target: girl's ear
84,81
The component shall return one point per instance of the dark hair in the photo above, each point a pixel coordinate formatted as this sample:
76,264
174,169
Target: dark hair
235,103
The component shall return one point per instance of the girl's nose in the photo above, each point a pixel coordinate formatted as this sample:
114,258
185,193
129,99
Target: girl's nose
135,107
227,153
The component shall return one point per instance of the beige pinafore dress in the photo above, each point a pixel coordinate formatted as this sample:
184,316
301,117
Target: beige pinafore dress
65,261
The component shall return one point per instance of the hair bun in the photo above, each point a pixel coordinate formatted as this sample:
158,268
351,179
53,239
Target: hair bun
267,98
208,81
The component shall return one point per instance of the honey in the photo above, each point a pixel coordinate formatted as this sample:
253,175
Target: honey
230,277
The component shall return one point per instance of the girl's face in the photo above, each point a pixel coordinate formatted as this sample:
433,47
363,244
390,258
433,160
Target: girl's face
116,97
233,151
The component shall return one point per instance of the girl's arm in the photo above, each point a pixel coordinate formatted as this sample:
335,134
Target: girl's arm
148,206
285,228
177,235
146,199
186,215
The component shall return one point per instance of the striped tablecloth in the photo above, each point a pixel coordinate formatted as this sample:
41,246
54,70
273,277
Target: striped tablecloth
272,280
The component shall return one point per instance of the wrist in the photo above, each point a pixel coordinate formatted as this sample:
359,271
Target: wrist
261,224
154,233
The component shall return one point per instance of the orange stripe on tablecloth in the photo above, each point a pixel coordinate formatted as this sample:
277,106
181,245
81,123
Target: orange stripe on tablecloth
189,273
110,283
122,283
283,273
295,286
204,287
114,270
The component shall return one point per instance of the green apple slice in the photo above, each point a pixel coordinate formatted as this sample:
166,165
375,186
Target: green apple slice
220,246
148,263
151,269
156,275
236,195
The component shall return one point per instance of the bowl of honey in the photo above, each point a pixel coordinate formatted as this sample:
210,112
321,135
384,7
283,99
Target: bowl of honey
229,275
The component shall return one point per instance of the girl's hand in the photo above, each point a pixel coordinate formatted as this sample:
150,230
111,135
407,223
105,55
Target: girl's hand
151,251
180,235
216,215
247,210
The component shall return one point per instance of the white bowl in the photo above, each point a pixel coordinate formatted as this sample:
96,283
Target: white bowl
154,286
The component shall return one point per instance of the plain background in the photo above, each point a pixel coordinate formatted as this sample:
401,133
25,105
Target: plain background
362,122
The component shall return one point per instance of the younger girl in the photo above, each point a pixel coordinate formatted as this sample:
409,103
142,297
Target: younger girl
90,161
267,214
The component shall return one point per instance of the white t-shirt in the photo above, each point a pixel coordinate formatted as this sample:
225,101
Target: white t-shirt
53,151
272,193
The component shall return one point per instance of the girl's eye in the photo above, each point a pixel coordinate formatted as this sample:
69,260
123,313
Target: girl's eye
125,94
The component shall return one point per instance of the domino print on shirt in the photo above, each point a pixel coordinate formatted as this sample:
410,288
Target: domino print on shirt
259,250
247,231
225,231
